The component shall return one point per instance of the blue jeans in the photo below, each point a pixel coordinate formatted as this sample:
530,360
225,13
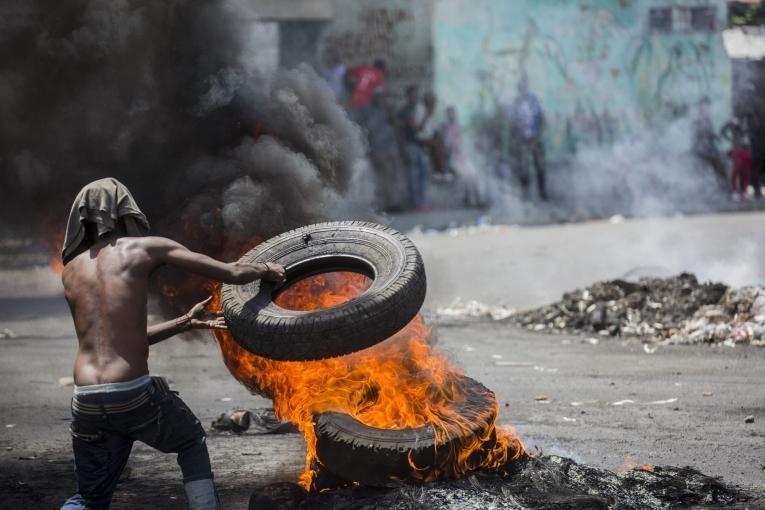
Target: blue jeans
103,435
418,172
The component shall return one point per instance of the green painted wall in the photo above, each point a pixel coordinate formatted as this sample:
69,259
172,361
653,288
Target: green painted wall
593,63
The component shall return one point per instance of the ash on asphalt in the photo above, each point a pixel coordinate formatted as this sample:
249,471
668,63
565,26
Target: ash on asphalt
546,482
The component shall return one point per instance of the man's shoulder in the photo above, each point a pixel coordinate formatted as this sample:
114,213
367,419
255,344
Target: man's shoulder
147,243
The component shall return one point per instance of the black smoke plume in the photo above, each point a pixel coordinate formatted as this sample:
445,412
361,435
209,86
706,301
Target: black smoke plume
164,97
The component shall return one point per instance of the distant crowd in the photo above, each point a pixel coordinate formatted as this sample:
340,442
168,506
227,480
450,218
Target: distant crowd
412,148
746,134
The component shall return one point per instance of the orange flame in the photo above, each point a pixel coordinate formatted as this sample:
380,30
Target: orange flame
55,243
56,264
630,464
402,382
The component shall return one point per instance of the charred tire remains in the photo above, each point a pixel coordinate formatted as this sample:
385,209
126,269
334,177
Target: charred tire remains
393,299
381,457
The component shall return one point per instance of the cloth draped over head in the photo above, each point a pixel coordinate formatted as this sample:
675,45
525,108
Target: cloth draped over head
104,203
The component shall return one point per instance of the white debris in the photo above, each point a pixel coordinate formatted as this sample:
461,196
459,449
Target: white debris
7,333
665,401
739,317
569,420
474,310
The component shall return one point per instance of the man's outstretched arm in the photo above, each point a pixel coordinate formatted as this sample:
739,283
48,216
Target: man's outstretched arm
167,251
191,320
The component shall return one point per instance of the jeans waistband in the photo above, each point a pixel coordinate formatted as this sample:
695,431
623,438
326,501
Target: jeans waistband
108,402
135,384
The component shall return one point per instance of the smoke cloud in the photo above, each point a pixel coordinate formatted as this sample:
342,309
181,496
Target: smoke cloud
649,170
168,98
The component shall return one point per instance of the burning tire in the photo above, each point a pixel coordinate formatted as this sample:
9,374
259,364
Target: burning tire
395,296
389,457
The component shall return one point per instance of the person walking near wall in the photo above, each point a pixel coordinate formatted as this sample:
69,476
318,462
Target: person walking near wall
457,163
741,154
412,118
527,122
432,141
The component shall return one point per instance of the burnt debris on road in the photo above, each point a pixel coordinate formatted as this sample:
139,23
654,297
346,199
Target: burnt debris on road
544,482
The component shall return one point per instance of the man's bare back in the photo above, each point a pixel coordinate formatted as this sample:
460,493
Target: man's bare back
108,259
106,287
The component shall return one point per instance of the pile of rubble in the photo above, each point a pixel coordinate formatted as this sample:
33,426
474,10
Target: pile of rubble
678,309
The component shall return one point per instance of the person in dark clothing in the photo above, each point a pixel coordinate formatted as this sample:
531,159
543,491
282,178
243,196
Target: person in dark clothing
412,119
741,154
527,122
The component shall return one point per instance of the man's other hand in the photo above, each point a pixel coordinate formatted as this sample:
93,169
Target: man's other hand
201,318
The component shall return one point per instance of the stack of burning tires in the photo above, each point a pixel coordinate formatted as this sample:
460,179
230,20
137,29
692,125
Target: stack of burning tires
345,446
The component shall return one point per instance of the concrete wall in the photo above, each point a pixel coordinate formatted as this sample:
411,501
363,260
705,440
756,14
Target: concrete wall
595,64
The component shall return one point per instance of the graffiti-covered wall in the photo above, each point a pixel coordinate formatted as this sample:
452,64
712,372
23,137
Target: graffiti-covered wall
600,67
398,31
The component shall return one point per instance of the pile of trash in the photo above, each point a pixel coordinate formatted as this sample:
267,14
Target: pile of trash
677,309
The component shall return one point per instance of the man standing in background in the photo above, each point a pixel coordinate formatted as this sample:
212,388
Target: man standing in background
412,117
527,122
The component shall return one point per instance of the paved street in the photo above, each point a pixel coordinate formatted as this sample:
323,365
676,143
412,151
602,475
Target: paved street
605,401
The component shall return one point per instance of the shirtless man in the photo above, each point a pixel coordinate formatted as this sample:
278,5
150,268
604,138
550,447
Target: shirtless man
108,260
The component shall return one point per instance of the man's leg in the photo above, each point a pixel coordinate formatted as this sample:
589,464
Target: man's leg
539,166
423,176
522,167
411,174
99,458
177,430
746,173
758,165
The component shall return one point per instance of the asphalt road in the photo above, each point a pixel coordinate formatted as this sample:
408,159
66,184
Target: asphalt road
605,401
